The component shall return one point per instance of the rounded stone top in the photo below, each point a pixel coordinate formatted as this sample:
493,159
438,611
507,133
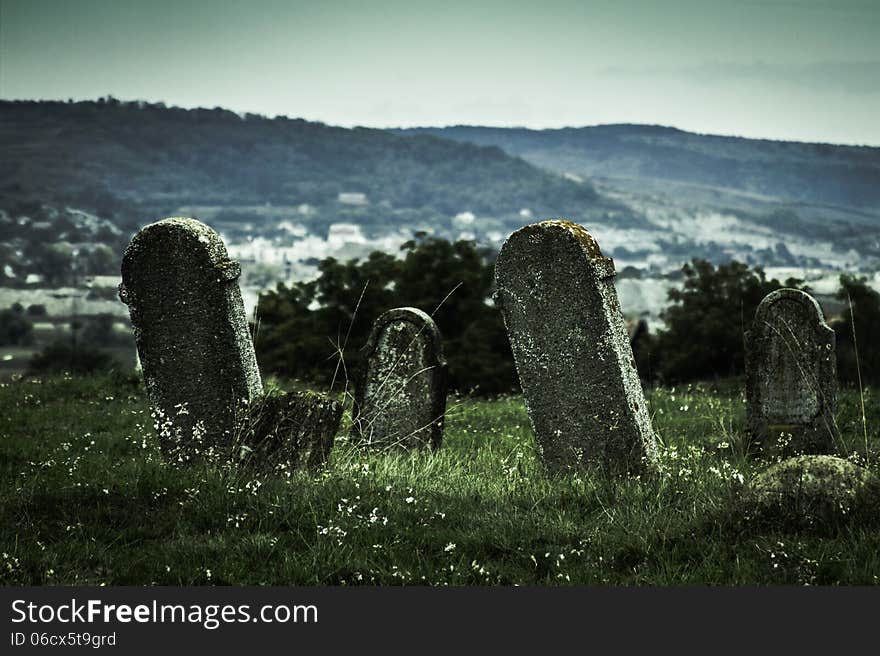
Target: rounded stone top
789,294
564,227
177,244
421,320
177,232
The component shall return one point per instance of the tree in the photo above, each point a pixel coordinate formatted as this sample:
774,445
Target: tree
54,262
300,327
860,328
706,320
15,328
100,261
63,356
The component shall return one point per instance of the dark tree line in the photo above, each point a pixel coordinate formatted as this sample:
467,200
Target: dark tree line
302,327
144,160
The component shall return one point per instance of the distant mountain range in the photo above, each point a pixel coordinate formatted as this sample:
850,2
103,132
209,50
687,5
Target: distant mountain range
766,202
135,162
655,196
841,182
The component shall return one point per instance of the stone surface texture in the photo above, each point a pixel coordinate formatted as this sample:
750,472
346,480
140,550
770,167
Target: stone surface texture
791,375
813,491
192,334
555,290
286,432
401,395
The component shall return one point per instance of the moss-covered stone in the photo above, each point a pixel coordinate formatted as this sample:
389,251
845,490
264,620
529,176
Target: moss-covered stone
791,383
813,492
286,432
401,392
192,335
556,293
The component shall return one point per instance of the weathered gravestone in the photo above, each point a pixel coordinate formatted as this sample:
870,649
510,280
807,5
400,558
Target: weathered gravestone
285,432
198,360
791,375
555,290
401,395
192,336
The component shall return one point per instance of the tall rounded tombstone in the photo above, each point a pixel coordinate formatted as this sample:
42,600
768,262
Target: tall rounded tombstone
192,335
791,375
401,395
575,363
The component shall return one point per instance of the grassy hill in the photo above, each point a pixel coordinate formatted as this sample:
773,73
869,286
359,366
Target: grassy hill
86,499
809,173
134,162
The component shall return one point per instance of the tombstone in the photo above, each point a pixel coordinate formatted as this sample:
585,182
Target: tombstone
572,352
192,334
401,395
286,432
791,375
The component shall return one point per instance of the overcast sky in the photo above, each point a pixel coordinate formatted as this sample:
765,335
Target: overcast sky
791,69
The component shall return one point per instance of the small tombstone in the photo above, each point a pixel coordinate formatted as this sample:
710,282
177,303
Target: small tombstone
286,432
401,398
575,363
192,335
791,375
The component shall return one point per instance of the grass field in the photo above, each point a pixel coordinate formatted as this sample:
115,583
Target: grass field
86,499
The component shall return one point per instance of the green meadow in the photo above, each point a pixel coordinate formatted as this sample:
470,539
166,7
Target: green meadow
86,499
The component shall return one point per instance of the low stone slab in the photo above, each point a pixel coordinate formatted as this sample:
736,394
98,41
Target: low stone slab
556,292
287,432
791,375
401,395
814,491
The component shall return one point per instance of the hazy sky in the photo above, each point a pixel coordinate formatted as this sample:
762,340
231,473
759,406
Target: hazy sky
788,69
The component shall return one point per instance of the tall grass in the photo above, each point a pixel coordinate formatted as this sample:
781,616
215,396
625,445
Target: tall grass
86,499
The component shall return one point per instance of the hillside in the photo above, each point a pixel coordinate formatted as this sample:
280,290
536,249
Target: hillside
632,155
133,162
772,203
78,179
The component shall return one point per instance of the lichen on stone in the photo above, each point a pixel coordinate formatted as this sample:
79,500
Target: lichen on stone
400,395
812,491
191,331
791,378
571,350
579,232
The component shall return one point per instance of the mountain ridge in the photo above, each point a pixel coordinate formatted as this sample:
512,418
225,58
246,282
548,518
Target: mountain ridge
117,158
786,171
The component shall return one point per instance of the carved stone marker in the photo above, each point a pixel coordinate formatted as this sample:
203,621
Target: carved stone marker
283,433
401,396
192,336
791,375
555,290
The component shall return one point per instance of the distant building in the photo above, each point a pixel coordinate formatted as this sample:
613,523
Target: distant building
103,282
352,198
341,234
